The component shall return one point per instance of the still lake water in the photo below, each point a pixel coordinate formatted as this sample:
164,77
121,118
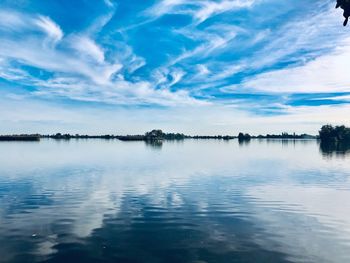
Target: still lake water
191,201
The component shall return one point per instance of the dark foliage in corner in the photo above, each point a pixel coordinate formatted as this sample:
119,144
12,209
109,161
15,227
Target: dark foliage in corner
345,5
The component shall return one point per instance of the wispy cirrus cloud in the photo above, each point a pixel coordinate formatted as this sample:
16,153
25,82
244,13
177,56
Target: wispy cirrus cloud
77,67
312,61
87,47
49,27
210,8
15,21
11,20
109,3
327,73
262,57
198,9
212,39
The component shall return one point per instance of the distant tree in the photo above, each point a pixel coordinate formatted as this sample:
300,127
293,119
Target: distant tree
244,137
155,135
338,133
327,133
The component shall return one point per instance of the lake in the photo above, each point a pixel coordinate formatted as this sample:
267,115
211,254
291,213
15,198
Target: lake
190,201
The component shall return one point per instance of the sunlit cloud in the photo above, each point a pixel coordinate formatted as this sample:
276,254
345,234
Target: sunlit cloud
199,10
327,73
50,28
256,57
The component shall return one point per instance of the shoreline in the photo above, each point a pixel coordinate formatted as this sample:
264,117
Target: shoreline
33,138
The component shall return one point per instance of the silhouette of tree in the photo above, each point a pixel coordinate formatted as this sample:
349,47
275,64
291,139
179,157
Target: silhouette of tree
345,5
155,135
244,137
338,133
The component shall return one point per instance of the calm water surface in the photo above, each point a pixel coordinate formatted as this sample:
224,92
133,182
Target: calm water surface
191,201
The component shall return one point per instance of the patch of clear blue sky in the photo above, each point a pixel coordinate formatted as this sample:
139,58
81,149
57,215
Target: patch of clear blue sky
164,53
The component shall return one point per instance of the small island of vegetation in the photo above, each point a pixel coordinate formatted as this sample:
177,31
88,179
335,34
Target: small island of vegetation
154,135
334,140
244,137
328,133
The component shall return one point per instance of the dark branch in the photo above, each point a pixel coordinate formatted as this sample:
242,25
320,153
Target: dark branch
345,5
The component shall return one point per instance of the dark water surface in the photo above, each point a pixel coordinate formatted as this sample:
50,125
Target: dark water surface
191,201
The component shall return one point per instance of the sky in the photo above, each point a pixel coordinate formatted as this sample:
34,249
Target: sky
191,66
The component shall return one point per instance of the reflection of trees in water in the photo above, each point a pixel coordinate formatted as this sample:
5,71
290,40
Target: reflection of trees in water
244,142
156,144
330,148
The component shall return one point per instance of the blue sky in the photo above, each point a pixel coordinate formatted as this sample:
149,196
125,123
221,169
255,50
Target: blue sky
195,66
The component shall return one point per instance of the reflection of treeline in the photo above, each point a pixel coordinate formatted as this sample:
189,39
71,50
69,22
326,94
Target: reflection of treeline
287,136
215,137
59,136
149,136
330,133
335,147
284,135
22,137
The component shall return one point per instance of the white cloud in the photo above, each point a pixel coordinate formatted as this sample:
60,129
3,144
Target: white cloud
11,20
226,71
109,3
340,97
80,70
327,73
176,76
18,22
27,115
297,36
210,8
49,27
10,73
88,66
200,10
86,46
36,55
163,7
203,70
126,55
100,22
213,39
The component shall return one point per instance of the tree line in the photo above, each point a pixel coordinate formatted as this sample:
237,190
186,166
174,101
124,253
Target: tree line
327,133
